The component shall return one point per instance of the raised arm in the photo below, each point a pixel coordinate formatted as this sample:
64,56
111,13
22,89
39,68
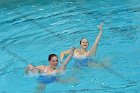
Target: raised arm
92,51
62,55
64,64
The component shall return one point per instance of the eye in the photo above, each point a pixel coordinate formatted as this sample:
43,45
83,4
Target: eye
54,60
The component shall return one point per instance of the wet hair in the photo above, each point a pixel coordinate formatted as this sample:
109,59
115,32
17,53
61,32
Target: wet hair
51,55
82,39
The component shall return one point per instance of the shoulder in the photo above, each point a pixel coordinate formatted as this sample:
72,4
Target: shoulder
76,50
45,67
89,54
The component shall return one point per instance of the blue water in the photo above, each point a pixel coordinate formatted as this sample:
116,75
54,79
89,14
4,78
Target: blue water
32,29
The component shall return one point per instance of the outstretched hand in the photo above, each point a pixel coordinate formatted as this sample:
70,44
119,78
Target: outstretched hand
30,68
101,26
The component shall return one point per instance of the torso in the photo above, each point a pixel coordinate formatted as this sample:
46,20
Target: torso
47,71
77,54
81,59
47,76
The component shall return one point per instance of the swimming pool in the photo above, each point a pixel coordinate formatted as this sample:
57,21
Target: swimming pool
32,29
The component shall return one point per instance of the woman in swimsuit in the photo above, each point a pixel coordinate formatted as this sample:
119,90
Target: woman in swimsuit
52,68
82,53
47,73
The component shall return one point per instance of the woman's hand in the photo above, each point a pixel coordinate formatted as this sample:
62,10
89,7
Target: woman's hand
101,27
30,68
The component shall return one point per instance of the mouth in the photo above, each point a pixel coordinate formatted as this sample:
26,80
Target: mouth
84,45
56,64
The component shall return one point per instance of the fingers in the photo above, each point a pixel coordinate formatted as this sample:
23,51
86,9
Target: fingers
102,24
30,66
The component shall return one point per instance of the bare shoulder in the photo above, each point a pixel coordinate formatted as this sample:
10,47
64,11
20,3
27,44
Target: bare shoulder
76,50
44,67
88,53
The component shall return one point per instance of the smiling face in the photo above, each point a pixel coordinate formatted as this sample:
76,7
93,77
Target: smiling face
53,59
84,43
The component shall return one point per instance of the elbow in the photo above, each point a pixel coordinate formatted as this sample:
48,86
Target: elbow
62,56
62,53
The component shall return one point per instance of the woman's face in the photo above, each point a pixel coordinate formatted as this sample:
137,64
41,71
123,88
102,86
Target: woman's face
84,43
54,61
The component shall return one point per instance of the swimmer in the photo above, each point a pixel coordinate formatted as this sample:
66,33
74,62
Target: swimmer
82,54
52,68
79,53
47,73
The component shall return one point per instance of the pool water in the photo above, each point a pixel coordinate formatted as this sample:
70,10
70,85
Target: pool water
32,29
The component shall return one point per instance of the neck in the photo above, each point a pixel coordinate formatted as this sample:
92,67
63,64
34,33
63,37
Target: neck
51,67
83,50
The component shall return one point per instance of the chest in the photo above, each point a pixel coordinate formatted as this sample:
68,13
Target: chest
48,71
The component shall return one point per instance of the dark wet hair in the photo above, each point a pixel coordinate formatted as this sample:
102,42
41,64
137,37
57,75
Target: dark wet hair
51,55
82,39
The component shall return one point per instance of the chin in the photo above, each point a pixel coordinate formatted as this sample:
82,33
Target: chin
85,47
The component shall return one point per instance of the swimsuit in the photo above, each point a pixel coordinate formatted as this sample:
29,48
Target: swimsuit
45,79
76,54
80,61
